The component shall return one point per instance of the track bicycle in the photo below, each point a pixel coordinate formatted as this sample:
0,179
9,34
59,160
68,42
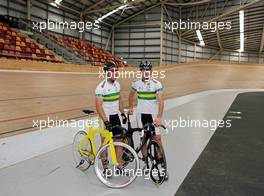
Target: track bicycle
155,161
85,155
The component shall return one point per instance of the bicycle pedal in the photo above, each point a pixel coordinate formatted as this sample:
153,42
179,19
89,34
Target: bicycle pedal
83,165
166,178
81,162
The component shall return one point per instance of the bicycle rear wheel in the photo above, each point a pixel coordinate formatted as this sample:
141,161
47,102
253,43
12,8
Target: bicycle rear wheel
83,152
116,176
156,161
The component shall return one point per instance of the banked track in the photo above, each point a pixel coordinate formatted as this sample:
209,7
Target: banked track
27,96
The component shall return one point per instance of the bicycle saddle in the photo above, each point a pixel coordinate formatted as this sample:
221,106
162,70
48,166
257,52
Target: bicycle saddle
88,112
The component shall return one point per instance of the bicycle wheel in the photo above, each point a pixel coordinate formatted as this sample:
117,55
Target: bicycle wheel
156,162
116,176
82,153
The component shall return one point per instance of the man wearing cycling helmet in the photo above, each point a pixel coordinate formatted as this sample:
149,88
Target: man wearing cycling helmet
109,102
150,100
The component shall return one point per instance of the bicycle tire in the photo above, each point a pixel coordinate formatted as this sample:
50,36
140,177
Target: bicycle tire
154,162
76,145
99,172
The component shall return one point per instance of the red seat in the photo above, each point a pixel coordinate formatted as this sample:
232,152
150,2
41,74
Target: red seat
12,47
12,42
7,41
8,37
28,54
17,53
28,44
28,50
23,48
18,38
12,53
6,47
5,52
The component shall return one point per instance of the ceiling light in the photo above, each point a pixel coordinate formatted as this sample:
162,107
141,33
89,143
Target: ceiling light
242,35
112,12
54,4
58,1
200,37
202,43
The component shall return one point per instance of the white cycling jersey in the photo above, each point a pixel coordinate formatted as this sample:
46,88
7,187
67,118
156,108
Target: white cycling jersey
147,95
110,93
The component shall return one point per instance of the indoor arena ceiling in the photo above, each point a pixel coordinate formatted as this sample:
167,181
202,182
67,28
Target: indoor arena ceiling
97,8
254,14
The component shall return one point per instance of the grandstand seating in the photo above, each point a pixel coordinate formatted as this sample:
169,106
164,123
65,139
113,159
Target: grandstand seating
16,46
88,51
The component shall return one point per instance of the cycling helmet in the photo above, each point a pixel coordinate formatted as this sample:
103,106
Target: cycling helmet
145,65
109,65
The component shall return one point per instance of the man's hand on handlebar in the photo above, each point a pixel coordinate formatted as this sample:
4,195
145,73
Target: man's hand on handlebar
124,118
108,125
158,122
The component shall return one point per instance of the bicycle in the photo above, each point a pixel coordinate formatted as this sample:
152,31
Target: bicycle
155,160
85,153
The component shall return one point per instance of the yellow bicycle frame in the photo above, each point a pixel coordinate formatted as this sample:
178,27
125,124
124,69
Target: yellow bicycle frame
108,140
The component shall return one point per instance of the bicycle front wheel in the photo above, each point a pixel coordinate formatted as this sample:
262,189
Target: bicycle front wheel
116,176
157,162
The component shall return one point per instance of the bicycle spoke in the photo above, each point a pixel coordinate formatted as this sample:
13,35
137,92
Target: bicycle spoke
117,176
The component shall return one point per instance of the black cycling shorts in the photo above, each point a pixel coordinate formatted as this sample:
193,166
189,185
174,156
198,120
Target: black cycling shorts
115,120
146,118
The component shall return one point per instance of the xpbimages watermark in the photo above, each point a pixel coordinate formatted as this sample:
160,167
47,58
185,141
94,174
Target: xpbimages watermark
211,124
58,25
194,25
126,74
56,122
126,172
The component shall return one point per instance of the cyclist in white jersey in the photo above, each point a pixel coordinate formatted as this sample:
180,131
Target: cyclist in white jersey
150,100
150,104
109,103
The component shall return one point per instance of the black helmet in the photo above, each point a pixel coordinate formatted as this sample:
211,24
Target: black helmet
110,64
145,65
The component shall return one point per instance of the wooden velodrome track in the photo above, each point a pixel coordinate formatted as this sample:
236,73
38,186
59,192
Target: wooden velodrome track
27,96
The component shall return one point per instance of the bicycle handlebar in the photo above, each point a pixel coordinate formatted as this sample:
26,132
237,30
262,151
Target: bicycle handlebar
154,125
132,130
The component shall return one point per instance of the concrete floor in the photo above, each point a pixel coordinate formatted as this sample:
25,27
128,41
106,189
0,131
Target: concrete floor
54,173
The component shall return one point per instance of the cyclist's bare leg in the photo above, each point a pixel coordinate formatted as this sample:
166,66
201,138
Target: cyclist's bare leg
119,151
157,138
104,157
